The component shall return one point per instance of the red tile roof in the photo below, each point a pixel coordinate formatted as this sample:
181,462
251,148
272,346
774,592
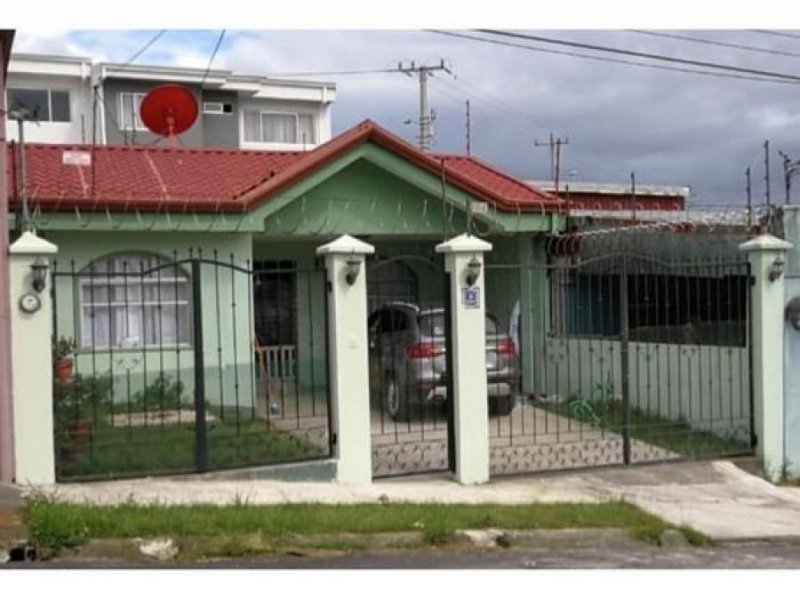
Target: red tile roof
210,180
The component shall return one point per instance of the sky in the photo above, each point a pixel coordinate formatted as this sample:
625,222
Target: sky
669,128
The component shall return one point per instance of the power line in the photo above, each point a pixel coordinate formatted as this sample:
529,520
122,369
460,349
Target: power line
778,33
325,73
145,47
213,55
699,40
647,55
610,60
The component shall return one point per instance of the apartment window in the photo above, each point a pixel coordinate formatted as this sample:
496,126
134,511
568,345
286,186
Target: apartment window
279,127
130,301
129,105
50,105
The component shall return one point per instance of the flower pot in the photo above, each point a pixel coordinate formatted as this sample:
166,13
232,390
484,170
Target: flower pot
63,370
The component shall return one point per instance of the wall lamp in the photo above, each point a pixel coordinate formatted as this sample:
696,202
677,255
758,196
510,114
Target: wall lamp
353,268
39,268
776,268
473,271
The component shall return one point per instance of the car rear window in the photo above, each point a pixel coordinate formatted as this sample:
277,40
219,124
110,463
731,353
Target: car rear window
432,325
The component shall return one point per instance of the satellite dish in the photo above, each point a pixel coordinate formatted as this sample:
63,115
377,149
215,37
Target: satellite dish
169,110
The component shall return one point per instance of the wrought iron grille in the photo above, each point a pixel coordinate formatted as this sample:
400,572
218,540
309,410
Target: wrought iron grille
170,372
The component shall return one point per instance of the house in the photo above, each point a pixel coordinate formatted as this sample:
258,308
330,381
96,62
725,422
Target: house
147,235
81,101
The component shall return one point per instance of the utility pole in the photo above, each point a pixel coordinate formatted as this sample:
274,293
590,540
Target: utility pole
749,199
469,149
555,156
790,169
425,116
766,172
22,114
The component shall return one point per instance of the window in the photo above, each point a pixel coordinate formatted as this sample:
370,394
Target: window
683,308
133,301
49,105
129,104
278,127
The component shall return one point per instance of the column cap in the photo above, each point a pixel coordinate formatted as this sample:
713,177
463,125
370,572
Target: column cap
345,245
764,243
31,244
463,243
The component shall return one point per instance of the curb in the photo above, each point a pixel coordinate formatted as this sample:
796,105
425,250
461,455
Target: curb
193,549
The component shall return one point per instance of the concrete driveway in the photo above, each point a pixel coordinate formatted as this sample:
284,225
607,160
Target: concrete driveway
530,439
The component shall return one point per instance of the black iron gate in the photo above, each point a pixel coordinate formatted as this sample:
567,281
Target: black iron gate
176,365
409,365
623,358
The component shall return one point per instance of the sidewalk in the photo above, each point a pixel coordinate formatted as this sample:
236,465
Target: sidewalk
715,498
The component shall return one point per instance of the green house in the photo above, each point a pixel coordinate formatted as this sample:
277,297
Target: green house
161,245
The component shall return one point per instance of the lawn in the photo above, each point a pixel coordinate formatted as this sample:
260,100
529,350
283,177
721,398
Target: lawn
56,525
674,435
106,451
153,432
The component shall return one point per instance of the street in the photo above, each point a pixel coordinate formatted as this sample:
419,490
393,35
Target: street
753,555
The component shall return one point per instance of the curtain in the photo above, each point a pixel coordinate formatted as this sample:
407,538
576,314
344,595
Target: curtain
279,128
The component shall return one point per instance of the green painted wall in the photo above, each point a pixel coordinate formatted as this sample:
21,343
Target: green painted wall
365,199
227,320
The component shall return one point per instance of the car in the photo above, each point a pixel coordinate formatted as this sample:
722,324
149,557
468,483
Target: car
408,360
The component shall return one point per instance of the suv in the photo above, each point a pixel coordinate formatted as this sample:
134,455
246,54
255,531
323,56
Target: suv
407,360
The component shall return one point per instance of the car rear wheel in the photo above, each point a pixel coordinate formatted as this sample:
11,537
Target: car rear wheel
393,401
502,406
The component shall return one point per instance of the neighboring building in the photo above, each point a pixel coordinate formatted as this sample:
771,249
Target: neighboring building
80,102
596,199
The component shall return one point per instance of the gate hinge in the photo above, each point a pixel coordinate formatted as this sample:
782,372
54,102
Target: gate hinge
333,439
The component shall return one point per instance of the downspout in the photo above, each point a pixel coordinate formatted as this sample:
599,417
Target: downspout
6,406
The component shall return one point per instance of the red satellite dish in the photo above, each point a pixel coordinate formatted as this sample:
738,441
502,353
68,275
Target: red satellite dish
169,110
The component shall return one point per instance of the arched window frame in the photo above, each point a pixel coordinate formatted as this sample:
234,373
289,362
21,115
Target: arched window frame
133,300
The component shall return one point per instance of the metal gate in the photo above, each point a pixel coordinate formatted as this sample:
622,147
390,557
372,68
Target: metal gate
623,357
174,367
409,354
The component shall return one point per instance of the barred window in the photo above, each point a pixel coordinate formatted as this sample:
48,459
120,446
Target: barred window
130,301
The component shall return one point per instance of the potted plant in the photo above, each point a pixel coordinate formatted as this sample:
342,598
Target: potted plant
63,361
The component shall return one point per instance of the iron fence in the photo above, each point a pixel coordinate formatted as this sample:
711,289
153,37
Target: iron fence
623,357
174,371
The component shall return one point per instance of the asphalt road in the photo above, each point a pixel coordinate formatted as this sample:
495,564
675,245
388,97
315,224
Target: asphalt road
754,555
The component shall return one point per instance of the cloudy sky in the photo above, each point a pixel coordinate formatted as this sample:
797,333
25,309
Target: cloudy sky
669,127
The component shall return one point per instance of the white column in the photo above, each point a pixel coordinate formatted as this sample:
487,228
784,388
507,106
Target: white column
31,363
464,255
348,357
767,256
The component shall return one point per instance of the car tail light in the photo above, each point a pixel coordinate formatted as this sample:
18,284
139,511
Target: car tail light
424,350
506,347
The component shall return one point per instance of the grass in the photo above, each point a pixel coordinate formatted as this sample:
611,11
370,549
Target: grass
674,435
108,451
56,525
